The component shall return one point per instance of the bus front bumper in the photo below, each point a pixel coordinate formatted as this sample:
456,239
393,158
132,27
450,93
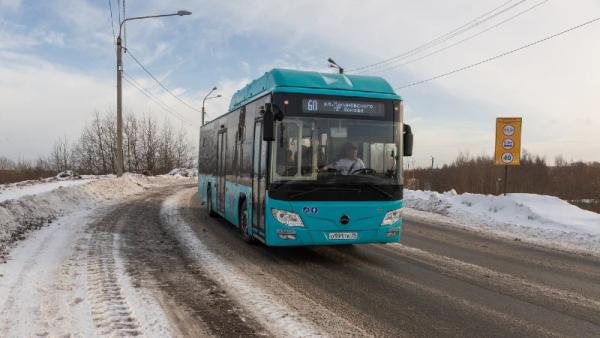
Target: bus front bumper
296,236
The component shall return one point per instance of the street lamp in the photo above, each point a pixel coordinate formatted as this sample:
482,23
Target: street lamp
119,87
332,64
208,98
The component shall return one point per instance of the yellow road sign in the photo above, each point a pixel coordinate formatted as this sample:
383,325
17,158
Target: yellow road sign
508,140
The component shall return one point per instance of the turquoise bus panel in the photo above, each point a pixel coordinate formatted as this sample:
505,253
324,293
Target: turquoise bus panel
322,218
203,182
233,192
319,91
288,80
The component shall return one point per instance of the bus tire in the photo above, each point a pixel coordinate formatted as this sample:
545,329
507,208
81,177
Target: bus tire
209,208
243,223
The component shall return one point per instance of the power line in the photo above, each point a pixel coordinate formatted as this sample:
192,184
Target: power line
395,66
160,83
112,22
445,37
155,99
499,55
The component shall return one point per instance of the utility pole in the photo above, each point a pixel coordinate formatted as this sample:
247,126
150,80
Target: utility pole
505,179
119,158
119,107
208,98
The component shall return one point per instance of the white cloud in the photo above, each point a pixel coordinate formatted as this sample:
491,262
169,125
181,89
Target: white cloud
10,4
41,102
553,85
18,37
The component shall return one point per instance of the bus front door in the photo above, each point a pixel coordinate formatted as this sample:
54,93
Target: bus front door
259,180
221,155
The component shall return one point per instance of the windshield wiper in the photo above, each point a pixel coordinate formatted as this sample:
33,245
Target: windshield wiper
379,190
301,193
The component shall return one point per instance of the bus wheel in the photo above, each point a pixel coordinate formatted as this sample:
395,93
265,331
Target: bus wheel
209,208
243,221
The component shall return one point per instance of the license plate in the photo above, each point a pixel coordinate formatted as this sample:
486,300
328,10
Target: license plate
342,235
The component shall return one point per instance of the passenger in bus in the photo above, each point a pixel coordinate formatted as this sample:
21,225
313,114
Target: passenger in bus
349,161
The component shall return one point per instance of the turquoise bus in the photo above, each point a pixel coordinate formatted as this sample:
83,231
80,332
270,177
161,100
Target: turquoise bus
308,158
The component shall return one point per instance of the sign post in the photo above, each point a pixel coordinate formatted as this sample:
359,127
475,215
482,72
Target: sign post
508,144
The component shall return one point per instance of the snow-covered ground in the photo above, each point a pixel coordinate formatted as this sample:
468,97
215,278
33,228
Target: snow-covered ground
269,310
183,172
534,218
27,206
34,187
58,280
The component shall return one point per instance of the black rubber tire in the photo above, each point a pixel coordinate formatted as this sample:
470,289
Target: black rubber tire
209,208
243,223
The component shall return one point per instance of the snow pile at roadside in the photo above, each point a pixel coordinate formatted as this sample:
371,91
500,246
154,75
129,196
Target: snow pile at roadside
30,212
183,172
34,187
536,218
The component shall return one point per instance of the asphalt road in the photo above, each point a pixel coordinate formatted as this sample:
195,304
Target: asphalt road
438,282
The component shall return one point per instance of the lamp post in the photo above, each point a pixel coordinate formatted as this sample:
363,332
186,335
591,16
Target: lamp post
119,85
333,64
208,98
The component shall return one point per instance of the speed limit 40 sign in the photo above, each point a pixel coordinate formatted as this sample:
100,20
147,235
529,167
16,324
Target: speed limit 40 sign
508,140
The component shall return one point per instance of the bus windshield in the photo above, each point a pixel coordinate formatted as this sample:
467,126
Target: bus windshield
335,151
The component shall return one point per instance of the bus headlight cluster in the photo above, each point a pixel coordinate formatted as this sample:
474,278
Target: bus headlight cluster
287,217
392,217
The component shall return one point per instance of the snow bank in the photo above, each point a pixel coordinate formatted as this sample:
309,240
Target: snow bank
42,185
537,218
183,172
39,204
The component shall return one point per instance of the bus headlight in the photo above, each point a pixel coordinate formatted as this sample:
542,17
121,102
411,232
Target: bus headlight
392,217
287,217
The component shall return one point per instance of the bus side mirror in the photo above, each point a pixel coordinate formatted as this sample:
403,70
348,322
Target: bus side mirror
268,123
407,141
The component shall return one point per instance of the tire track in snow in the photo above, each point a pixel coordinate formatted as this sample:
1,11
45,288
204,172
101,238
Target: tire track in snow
110,311
269,311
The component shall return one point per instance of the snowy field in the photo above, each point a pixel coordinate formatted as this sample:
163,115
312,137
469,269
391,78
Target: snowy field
534,218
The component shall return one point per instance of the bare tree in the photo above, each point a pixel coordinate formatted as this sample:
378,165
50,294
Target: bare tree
148,148
150,144
182,150
60,157
6,163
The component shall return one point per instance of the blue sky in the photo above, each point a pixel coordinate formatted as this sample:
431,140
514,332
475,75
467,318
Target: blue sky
57,65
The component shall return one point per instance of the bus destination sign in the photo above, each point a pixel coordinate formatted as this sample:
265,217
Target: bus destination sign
342,107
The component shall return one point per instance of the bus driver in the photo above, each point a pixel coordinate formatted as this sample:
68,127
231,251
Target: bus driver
350,162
